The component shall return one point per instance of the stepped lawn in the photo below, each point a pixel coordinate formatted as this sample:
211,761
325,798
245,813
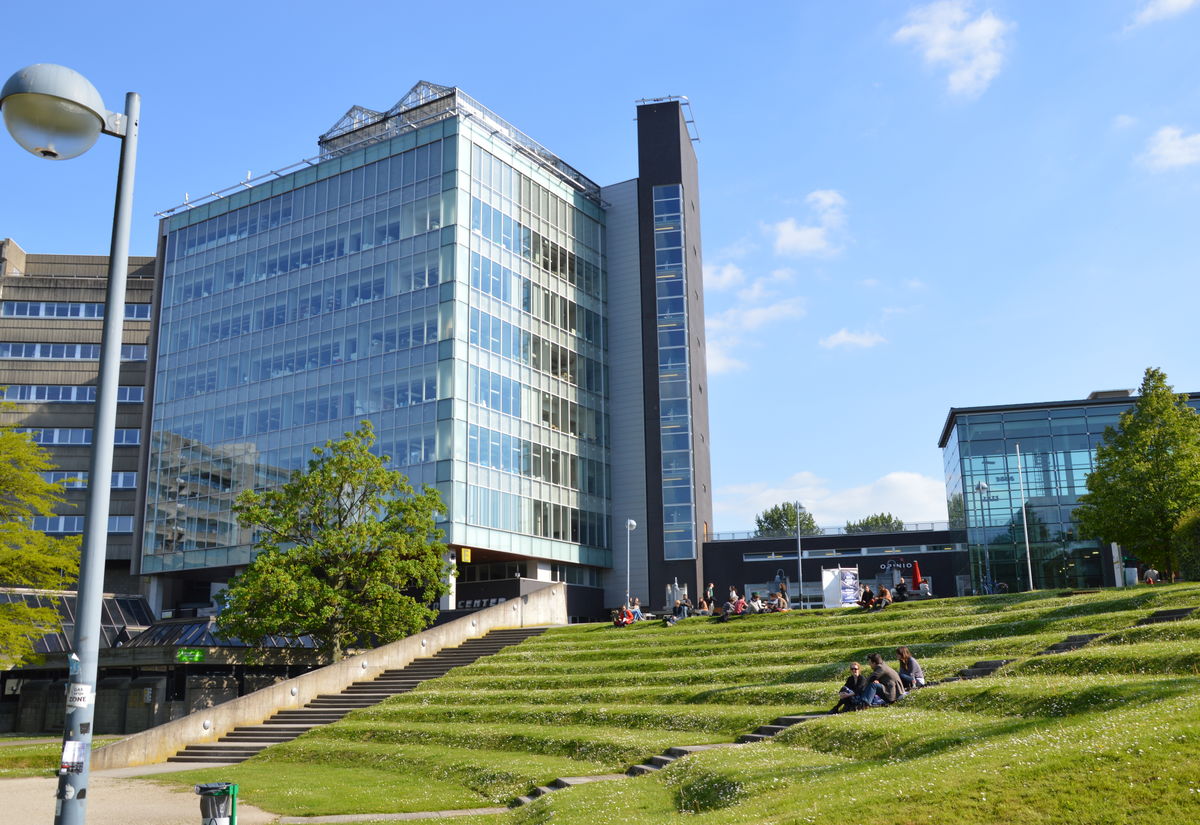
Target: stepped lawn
1109,733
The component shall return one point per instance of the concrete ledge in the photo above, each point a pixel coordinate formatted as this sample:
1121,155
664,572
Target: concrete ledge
547,606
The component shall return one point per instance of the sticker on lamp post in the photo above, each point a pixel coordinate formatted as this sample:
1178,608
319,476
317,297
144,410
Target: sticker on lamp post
79,695
72,757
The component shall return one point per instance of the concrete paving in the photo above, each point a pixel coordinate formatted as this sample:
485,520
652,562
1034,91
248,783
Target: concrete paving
116,798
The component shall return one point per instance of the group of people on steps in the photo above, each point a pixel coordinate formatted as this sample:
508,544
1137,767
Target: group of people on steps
883,685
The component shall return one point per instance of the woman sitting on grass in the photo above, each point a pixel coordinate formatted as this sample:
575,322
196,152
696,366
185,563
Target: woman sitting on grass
867,598
910,670
702,608
850,696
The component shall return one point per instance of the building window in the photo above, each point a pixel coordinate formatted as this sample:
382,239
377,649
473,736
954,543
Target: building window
78,436
65,309
58,394
64,352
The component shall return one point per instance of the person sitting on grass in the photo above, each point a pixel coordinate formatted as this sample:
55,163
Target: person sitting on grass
901,590
756,604
622,616
851,693
739,606
883,685
636,607
680,610
866,598
883,599
702,608
910,670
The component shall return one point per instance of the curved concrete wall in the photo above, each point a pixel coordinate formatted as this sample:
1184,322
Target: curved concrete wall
547,606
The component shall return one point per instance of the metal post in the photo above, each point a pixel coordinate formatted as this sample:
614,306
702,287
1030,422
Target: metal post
799,564
981,488
1024,520
630,526
71,806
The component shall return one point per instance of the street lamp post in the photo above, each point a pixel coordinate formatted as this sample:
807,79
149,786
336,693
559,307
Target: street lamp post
56,113
799,562
630,526
1024,518
982,489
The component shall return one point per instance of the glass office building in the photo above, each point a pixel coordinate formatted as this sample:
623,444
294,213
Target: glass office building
986,485
434,271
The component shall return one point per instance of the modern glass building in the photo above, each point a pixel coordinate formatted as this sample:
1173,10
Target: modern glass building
439,273
986,485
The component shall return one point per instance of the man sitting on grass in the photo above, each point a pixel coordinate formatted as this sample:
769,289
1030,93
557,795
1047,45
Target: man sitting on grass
883,685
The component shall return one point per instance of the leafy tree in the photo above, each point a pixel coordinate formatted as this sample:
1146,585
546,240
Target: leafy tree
955,510
1187,542
29,558
877,523
348,553
1147,476
780,520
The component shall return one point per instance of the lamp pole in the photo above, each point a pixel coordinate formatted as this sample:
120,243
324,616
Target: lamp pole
630,526
982,489
56,114
799,564
1024,519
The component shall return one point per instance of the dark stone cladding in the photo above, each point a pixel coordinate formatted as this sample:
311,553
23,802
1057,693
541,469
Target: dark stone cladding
666,157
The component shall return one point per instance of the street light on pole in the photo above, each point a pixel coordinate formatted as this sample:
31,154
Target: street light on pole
982,489
630,526
1024,518
56,113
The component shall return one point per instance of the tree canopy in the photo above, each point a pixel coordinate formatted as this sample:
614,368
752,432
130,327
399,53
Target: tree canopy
877,523
780,520
348,553
1146,476
29,558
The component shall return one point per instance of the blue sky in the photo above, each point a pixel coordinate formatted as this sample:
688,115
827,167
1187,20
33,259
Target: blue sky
907,206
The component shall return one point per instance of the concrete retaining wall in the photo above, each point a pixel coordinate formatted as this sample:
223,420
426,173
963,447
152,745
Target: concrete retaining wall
547,606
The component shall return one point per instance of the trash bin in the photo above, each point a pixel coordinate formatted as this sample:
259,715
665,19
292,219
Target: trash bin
218,803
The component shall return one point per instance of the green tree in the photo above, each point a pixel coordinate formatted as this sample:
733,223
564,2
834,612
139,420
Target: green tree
1147,476
877,523
780,520
1187,543
955,511
29,558
347,553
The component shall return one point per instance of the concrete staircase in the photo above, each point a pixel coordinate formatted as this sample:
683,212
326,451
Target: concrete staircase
1070,643
1159,616
984,668
243,742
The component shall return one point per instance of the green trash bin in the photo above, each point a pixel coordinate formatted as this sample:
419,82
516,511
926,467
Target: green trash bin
218,803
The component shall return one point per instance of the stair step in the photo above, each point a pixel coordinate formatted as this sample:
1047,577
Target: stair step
660,761
770,730
640,770
747,738
225,759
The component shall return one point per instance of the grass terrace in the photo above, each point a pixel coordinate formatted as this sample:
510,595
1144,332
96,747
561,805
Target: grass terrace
1109,733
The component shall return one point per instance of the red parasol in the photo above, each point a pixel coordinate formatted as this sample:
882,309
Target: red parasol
916,574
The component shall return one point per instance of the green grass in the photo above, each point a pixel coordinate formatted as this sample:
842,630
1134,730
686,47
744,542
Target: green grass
1107,733
40,759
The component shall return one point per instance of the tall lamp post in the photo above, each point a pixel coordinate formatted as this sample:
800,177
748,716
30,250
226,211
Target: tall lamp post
630,526
982,489
1024,518
56,114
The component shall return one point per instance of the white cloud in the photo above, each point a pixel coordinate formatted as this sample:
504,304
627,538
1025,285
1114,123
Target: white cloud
743,319
718,359
792,238
910,496
869,282
1156,10
1123,121
914,283
946,36
845,338
723,276
1169,148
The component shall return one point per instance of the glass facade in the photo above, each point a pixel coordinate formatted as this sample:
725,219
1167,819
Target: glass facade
674,379
438,283
984,480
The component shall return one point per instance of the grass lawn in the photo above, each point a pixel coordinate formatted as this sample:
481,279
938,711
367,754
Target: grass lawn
1109,733
40,759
